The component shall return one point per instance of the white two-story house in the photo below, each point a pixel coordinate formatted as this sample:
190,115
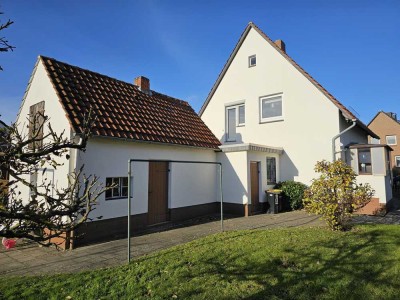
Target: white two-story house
274,121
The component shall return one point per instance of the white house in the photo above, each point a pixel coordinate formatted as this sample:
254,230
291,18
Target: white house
265,120
274,121
133,122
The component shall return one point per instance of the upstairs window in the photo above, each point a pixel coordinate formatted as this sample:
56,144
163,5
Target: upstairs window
36,123
235,116
252,61
120,189
271,108
391,140
364,161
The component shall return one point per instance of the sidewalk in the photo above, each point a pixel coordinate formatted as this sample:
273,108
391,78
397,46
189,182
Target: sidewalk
30,259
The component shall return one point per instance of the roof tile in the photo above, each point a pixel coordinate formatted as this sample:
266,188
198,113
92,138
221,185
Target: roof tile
124,111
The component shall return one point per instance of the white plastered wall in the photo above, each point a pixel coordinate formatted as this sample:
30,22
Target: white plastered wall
235,176
40,89
310,119
189,184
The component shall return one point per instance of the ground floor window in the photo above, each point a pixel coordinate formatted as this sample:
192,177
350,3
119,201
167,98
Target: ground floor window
397,161
364,161
271,170
120,189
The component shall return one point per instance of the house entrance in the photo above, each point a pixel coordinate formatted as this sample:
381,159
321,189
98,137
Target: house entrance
158,192
255,187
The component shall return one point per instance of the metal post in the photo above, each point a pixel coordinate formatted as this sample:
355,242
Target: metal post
221,197
129,211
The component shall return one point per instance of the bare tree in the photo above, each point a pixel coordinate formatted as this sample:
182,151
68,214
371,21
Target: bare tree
4,44
49,211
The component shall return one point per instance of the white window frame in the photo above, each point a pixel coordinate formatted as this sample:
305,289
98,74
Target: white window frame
271,119
120,187
397,159
250,57
375,141
236,107
395,140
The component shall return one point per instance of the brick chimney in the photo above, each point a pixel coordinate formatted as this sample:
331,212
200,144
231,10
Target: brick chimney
281,45
143,83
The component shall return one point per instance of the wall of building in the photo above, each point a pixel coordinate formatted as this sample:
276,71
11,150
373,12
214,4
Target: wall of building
189,184
310,120
379,184
384,125
40,89
235,174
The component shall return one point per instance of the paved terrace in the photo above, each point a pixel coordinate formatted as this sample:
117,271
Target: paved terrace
30,259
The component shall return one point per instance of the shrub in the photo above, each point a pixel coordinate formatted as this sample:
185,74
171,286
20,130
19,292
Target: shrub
335,194
294,192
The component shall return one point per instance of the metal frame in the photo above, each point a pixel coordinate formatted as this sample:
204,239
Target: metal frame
170,161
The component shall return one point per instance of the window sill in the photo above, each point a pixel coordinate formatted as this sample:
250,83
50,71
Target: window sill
271,120
116,198
360,173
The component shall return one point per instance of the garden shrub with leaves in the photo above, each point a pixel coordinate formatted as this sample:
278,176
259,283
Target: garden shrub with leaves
294,192
335,194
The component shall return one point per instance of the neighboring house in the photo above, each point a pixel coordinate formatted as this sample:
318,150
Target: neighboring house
275,122
387,126
133,122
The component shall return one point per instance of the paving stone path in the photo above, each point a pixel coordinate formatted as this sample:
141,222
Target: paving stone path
29,259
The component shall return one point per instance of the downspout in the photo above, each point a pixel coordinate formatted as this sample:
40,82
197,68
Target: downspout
338,135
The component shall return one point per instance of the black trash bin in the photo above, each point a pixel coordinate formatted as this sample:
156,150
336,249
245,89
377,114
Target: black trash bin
274,201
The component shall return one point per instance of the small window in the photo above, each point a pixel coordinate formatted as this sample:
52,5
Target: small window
271,170
271,108
391,140
364,161
235,116
120,189
252,61
375,141
397,161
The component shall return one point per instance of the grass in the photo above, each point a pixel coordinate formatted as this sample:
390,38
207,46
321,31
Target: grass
301,263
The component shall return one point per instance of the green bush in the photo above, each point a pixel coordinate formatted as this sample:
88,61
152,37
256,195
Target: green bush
335,194
294,192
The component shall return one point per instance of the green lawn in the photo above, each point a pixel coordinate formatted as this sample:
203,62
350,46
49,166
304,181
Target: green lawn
301,263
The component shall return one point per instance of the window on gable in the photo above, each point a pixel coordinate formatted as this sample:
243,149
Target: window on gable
252,61
364,161
120,189
271,108
391,140
36,123
235,116
271,170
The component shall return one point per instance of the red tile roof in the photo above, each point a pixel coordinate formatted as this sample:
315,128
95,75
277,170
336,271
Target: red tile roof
123,111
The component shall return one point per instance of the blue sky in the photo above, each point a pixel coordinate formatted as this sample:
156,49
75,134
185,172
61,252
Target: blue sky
350,47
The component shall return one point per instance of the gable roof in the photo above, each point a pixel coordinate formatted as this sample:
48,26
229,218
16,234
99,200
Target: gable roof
123,111
346,113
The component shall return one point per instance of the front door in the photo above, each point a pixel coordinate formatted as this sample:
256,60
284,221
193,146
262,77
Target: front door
158,193
255,187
